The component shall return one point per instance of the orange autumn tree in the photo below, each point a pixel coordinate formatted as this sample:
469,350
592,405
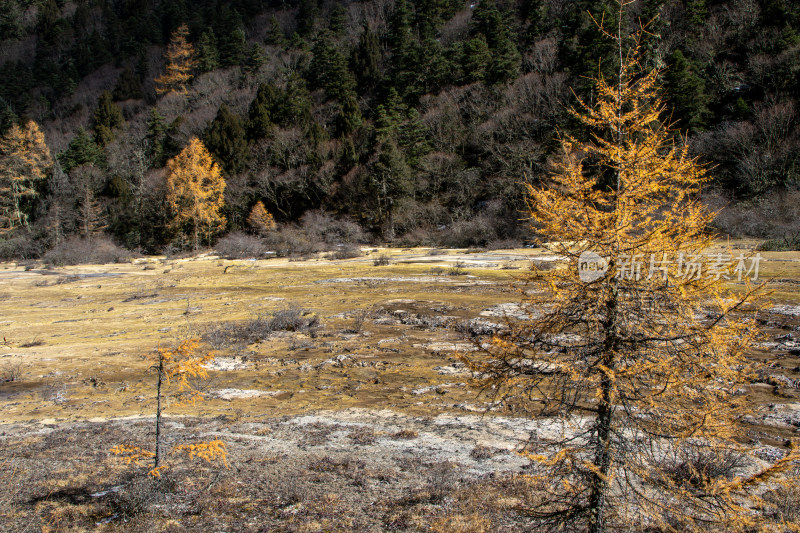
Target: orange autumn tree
25,161
260,220
181,61
175,366
195,189
635,351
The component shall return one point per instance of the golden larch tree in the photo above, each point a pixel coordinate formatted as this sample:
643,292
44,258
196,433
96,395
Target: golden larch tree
25,161
181,61
635,350
260,220
176,366
195,192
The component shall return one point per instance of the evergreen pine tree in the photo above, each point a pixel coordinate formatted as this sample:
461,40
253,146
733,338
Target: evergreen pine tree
298,42
275,35
741,109
329,68
317,134
697,11
391,179
366,58
47,16
231,40
98,51
7,116
405,53
349,118
129,86
412,138
207,51
400,126
534,13
225,139
487,20
82,150
11,26
156,132
173,14
338,20
494,26
475,59
430,14
260,123
233,48
307,17
60,205
686,91
255,58
390,116
400,32
505,63
295,108
347,155
107,117
174,138
434,69
86,181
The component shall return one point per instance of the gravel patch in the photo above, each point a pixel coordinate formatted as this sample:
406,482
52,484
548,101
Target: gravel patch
235,394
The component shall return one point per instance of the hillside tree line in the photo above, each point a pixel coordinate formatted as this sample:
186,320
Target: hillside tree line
421,121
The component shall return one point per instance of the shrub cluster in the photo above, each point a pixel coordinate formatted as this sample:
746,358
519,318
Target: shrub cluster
94,250
246,332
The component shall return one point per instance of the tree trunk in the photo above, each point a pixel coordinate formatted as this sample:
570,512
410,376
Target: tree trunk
158,409
605,409
17,210
599,485
602,460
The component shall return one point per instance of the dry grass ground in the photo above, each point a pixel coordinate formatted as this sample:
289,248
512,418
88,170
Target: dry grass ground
347,414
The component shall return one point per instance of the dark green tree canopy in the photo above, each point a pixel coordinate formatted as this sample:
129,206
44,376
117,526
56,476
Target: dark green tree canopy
338,20
207,52
687,93
366,60
264,106
82,150
329,69
495,27
107,117
129,86
275,35
294,108
225,139
154,138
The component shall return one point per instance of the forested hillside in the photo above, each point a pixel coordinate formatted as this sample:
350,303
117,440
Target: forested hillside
411,121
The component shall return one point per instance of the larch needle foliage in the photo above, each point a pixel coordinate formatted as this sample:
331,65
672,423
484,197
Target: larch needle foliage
181,61
176,366
260,220
637,351
195,188
25,161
